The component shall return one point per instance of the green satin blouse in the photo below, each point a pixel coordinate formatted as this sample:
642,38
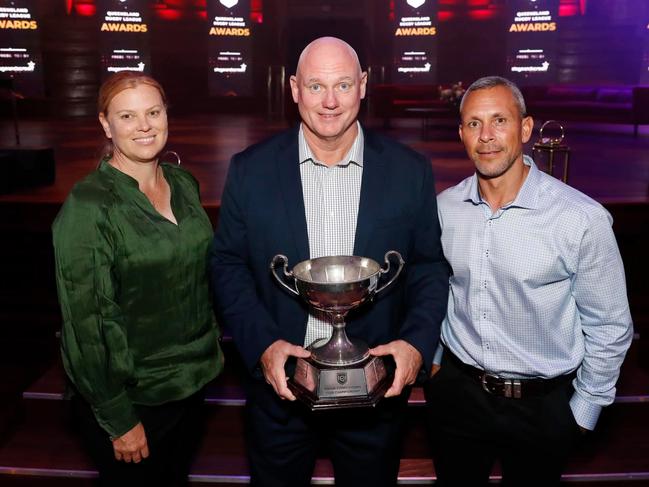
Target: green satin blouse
138,326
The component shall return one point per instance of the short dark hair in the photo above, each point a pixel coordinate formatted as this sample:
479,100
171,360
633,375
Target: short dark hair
493,81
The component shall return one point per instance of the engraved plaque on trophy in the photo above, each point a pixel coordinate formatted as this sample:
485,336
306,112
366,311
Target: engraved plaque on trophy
341,372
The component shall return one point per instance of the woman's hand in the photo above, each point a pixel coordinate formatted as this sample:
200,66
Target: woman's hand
132,445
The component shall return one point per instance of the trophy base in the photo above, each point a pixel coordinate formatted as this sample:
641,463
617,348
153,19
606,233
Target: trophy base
335,387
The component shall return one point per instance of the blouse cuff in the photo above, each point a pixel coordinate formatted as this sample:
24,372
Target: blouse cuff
117,415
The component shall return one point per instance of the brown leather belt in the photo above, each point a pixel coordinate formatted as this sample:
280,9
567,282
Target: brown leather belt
511,388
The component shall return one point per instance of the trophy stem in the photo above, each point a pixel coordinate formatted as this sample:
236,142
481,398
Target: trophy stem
340,349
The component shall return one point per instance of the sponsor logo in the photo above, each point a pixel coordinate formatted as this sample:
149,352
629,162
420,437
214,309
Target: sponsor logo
31,65
241,69
415,69
117,69
531,69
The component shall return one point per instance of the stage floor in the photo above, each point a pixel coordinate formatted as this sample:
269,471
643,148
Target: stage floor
607,162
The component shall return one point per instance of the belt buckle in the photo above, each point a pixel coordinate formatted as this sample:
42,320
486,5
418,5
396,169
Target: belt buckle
511,387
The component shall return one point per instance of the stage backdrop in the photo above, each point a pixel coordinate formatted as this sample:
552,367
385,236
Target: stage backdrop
414,59
229,47
20,47
532,41
124,36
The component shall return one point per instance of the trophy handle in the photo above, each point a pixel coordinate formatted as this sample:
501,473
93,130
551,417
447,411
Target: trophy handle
273,264
387,268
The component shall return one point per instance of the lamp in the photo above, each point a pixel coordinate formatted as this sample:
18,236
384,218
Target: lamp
552,154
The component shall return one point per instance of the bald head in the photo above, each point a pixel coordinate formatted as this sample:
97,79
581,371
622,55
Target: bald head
327,48
328,88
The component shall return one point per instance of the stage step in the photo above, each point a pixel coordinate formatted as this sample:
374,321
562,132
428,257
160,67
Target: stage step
224,390
44,445
633,385
40,446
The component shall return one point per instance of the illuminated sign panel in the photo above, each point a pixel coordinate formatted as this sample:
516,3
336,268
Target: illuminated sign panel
124,40
229,47
531,41
415,41
20,51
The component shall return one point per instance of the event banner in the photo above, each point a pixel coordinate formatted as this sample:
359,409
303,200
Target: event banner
532,41
229,47
124,36
415,41
21,61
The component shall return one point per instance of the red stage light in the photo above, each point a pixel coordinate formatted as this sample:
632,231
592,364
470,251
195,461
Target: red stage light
481,14
256,11
567,10
444,15
169,14
85,9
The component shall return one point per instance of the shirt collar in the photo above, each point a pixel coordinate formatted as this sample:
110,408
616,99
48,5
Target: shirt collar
527,197
353,156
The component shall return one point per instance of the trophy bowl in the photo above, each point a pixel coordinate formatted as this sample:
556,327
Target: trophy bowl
340,372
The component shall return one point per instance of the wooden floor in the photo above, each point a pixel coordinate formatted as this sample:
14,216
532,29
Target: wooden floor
39,447
607,162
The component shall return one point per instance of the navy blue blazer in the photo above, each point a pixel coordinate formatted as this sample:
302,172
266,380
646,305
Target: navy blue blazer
262,214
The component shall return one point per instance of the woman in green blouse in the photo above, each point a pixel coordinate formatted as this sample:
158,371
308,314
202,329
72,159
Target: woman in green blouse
139,341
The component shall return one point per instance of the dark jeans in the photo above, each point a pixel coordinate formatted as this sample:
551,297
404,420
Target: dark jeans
470,429
284,438
173,430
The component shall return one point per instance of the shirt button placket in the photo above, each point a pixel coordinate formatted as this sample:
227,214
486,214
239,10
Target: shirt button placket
330,199
484,297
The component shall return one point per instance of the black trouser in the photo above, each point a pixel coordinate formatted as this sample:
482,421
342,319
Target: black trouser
471,429
173,431
284,438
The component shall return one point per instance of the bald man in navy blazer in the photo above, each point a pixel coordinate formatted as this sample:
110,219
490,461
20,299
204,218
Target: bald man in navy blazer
278,197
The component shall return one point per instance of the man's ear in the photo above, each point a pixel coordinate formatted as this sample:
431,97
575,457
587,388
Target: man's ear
295,89
527,126
363,84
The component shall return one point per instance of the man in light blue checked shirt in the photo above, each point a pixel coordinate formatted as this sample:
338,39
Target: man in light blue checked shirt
538,321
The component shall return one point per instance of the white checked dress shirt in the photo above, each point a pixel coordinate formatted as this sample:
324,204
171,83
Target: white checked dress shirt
331,197
538,288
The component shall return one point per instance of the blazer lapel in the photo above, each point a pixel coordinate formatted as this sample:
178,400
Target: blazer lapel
290,181
373,183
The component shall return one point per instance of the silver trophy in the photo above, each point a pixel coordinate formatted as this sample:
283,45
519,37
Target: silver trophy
340,372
